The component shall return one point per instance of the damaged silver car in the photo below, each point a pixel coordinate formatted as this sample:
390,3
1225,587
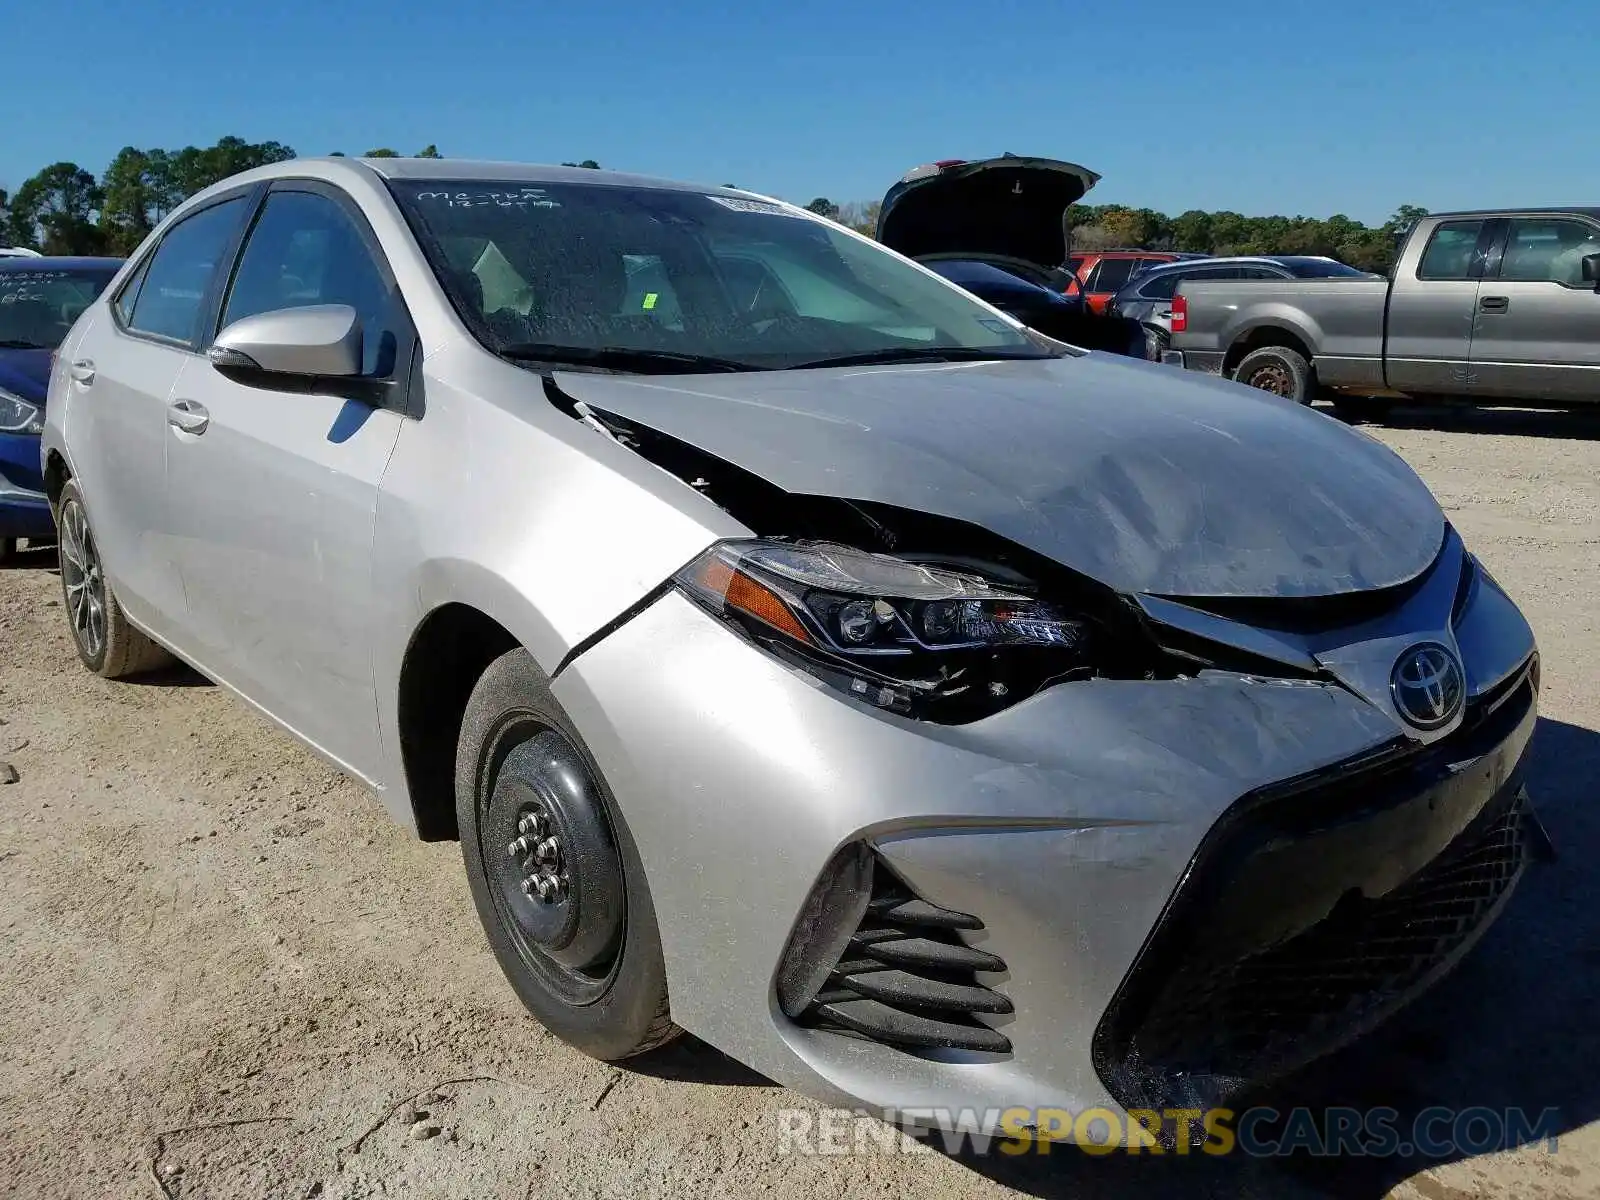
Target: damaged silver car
806,655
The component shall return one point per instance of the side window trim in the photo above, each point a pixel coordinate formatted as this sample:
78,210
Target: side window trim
1492,247
129,291
251,194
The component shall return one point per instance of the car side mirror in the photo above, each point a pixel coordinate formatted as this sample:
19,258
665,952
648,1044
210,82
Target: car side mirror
317,341
1590,265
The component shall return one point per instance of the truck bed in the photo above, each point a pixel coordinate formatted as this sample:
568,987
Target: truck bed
1340,320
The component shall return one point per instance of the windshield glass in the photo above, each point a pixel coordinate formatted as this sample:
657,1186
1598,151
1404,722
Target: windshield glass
737,280
38,307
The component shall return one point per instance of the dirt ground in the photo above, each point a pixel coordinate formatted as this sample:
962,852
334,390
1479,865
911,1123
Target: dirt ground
225,973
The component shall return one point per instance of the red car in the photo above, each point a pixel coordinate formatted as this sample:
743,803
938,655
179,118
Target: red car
1102,273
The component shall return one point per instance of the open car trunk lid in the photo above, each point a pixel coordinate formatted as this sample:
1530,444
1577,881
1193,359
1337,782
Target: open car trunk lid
1006,208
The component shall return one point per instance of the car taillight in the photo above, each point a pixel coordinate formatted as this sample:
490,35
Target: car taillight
1180,314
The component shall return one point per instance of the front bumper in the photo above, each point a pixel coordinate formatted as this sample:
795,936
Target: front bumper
1206,361
1075,825
24,509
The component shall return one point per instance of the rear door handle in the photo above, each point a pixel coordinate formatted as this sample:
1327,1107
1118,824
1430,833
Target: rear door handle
1494,304
188,416
82,371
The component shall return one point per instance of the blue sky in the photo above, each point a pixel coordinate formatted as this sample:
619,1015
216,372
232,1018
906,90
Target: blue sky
1296,107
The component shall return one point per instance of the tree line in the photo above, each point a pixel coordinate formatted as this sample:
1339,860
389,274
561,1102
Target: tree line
65,209
1115,226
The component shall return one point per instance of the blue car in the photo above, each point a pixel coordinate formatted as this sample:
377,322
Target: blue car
40,298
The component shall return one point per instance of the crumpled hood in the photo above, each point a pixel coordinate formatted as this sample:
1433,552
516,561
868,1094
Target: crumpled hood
1145,478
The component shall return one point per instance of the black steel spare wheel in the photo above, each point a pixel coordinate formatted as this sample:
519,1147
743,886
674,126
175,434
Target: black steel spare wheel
554,863
555,875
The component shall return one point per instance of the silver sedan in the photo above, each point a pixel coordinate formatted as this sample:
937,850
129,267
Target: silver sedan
805,654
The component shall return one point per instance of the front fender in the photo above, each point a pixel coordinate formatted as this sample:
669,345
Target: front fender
542,524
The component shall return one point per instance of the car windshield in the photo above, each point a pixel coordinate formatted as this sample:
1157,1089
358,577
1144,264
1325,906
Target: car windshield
38,306
644,278
1320,268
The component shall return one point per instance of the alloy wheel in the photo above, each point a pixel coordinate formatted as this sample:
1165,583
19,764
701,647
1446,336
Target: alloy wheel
83,580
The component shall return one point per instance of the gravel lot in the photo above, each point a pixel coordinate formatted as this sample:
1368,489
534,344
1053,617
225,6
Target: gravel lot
227,974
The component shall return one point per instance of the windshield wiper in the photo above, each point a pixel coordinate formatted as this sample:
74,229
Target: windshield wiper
623,358
20,344
916,354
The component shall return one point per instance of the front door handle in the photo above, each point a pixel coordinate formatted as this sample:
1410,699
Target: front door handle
188,416
82,371
1494,304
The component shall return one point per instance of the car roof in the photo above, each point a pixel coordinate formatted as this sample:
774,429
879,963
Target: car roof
1592,213
60,262
1275,260
423,169
1137,254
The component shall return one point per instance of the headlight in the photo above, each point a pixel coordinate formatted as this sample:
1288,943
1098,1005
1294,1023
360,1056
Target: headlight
914,637
18,415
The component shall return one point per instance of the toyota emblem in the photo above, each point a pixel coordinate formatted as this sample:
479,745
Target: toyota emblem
1428,685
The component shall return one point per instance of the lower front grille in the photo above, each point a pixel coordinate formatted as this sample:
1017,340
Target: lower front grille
908,980
1257,1016
1309,919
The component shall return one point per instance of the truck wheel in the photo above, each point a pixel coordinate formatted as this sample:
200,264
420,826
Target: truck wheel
1156,343
1279,370
553,871
8,547
108,645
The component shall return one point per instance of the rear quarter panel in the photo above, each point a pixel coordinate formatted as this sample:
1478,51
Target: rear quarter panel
1339,320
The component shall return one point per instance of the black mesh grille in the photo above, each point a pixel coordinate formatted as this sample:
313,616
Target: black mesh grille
1294,931
1255,1016
908,980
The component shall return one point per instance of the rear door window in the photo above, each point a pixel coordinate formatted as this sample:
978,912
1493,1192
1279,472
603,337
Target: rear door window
1172,281
1548,250
1111,274
172,296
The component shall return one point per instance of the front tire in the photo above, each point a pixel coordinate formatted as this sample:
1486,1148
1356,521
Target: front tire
553,871
1279,370
108,645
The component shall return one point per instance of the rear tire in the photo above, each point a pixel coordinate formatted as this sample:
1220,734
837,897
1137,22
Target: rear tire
108,645
1156,343
1279,370
582,951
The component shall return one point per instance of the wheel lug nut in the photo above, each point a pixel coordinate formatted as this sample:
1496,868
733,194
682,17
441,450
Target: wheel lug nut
527,888
546,888
547,850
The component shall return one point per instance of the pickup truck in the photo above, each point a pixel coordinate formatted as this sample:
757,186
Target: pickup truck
1492,306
